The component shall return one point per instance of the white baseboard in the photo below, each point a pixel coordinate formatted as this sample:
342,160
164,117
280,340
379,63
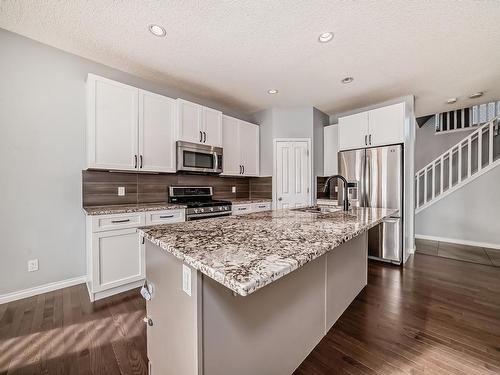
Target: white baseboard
458,241
30,292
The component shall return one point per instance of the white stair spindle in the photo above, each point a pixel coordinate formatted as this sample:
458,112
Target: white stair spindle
490,149
425,186
479,150
459,163
433,180
469,156
441,170
418,190
450,164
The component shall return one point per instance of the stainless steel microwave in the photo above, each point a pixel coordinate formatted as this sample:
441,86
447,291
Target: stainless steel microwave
194,157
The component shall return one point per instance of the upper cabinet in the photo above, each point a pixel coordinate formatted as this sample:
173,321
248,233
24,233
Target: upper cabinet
330,149
240,142
198,124
128,128
377,127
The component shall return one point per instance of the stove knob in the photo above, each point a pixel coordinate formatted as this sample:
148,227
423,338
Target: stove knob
196,210
211,209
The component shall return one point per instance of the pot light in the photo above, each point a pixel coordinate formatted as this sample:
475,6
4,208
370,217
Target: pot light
157,30
272,91
325,37
347,80
451,100
476,95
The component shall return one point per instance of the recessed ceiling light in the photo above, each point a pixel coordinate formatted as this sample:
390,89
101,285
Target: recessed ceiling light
325,37
476,95
157,30
451,100
347,80
272,91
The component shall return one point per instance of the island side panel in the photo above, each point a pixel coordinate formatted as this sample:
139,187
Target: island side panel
174,339
268,332
346,276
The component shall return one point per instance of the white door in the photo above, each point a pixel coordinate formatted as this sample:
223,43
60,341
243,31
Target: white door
249,148
231,146
156,132
112,128
292,174
117,258
353,131
189,121
212,127
330,150
386,124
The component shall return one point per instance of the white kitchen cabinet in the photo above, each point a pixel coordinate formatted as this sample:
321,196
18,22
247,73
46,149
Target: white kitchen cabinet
240,141
248,208
112,136
118,259
261,206
115,251
198,124
386,124
377,127
156,132
330,150
129,128
353,131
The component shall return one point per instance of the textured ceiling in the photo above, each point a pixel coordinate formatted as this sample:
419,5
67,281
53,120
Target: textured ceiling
234,51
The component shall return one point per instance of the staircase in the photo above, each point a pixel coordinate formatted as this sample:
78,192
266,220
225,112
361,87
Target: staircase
473,156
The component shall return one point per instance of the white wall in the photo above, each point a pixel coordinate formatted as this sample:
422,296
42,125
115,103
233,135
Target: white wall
468,214
42,148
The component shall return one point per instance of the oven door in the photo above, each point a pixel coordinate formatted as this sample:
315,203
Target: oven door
193,157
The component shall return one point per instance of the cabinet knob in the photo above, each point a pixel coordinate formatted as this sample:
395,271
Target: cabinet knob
280,199
148,321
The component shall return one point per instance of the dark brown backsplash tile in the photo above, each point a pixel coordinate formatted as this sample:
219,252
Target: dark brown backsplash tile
101,187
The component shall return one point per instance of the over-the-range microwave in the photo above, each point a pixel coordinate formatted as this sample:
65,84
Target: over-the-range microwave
194,157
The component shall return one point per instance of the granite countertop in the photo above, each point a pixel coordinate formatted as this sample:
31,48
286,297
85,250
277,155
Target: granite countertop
130,208
249,200
247,252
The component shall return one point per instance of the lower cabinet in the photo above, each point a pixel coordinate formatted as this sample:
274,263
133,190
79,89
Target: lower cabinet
115,252
247,208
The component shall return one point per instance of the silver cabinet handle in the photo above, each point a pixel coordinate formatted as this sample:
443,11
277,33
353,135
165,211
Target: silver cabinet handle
120,221
262,206
135,161
166,216
243,169
148,321
366,140
201,136
204,137
140,158
242,208
370,139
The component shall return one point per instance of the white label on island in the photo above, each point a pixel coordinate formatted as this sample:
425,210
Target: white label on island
186,279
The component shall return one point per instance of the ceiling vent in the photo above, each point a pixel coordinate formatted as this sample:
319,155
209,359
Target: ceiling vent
466,118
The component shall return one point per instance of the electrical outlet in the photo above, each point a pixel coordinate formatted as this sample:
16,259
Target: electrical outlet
121,191
32,265
186,280
233,189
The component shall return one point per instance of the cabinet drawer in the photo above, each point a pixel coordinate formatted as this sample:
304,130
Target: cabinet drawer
118,221
165,217
240,209
263,206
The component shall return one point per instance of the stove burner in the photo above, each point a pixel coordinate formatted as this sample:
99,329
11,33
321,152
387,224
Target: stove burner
199,202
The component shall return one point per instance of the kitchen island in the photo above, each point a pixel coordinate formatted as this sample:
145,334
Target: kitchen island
251,294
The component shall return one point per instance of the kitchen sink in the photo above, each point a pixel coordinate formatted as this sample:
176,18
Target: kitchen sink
318,209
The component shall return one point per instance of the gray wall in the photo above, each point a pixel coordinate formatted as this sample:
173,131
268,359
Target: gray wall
429,145
42,118
469,214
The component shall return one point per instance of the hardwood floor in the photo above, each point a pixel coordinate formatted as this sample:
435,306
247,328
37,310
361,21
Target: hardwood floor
434,316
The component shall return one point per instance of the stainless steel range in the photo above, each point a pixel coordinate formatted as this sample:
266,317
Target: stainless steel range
199,201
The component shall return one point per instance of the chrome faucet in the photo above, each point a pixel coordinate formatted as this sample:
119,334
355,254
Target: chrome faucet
327,184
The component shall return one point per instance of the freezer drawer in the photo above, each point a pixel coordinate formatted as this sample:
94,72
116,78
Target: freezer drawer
385,240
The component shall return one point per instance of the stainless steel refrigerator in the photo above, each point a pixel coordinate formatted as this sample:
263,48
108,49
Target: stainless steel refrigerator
375,179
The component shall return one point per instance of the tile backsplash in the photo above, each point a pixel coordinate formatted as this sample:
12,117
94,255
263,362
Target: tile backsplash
101,187
331,194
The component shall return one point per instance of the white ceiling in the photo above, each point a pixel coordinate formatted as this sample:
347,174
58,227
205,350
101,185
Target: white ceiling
234,51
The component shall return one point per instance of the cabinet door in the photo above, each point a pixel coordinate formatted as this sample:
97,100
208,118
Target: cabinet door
386,124
156,133
330,150
189,125
231,146
117,258
112,128
212,126
353,131
241,209
249,148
